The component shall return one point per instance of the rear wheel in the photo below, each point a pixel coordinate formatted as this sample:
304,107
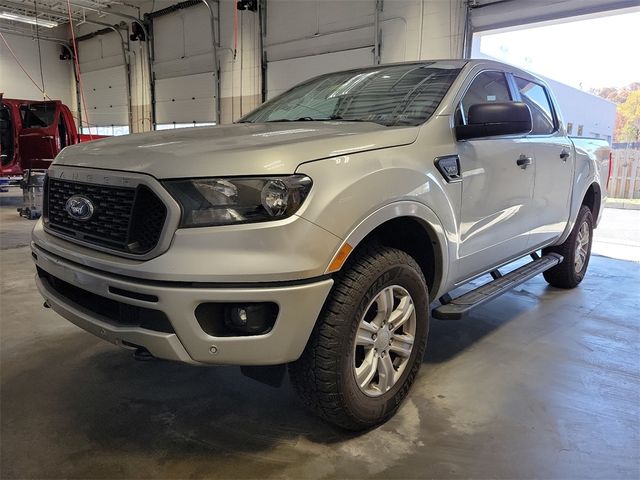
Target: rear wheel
576,251
368,343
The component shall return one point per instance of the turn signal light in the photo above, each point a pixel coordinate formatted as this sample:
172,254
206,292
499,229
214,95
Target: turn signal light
339,258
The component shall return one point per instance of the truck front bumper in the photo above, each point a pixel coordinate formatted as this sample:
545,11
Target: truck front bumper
299,305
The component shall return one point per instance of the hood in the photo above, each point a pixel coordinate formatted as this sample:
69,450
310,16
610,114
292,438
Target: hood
237,149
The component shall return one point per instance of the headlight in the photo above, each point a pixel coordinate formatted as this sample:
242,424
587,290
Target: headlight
225,201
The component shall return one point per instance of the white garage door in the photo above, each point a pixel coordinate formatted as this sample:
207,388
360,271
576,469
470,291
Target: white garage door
185,99
307,38
283,74
104,80
494,14
183,66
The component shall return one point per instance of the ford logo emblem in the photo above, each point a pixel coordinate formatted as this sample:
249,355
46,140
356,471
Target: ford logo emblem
79,208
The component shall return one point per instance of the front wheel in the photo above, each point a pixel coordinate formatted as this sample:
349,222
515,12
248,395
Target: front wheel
368,343
576,251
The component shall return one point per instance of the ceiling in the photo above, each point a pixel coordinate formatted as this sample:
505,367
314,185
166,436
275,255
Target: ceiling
57,11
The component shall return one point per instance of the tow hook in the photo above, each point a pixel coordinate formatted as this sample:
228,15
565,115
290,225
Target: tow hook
143,355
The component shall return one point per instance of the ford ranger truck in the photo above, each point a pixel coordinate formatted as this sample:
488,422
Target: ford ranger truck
321,231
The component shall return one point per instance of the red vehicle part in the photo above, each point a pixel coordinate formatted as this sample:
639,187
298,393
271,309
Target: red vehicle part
33,132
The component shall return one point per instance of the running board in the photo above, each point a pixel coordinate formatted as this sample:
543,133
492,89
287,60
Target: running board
456,308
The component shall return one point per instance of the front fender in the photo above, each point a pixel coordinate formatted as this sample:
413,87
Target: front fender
418,211
353,195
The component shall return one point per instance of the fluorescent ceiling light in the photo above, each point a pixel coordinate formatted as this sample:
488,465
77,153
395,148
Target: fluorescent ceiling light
30,20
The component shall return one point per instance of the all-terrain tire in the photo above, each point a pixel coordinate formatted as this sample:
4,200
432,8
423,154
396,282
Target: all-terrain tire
324,376
569,273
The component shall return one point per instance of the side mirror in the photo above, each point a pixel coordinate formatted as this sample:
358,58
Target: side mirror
493,119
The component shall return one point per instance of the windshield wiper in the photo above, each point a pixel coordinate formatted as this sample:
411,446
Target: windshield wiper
341,119
326,119
301,119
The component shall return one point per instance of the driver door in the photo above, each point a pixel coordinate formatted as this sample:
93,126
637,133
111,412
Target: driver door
39,139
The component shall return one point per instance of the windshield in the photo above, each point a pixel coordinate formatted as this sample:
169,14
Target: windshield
405,94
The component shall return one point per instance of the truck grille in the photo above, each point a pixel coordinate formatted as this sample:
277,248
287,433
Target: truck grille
110,311
125,219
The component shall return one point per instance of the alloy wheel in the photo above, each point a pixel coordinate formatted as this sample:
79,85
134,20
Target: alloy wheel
384,340
582,247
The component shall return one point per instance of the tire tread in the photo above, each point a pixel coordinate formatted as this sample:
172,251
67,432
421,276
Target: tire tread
315,375
563,275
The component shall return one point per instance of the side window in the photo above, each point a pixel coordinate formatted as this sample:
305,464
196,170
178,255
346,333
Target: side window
38,115
487,87
62,132
536,97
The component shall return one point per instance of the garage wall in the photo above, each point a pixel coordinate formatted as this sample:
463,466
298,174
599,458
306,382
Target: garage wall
305,38
240,77
183,65
302,39
58,74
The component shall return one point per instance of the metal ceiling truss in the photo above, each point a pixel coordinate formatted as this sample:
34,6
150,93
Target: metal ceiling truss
56,11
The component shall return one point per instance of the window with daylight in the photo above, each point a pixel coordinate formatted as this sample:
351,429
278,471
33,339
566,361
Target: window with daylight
535,96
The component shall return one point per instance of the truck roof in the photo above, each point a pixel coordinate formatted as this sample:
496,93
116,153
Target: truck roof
456,63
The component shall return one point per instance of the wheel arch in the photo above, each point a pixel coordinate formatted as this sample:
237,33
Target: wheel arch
593,199
412,228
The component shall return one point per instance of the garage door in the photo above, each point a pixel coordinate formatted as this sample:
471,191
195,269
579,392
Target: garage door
183,67
283,74
104,80
185,99
291,62
493,14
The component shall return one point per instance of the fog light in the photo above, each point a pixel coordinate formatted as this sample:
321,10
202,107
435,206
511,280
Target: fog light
250,319
236,319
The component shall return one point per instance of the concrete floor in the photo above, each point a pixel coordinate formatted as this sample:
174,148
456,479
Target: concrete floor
540,383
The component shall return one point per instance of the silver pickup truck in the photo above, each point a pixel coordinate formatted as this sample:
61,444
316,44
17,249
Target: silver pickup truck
324,229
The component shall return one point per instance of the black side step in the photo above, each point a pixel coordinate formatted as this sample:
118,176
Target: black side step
458,307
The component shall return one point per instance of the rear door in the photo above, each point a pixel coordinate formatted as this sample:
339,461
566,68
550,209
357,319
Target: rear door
554,163
39,137
8,151
496,192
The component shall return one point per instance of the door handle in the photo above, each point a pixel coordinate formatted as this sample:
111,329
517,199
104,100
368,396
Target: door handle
564,155
524,161
47,137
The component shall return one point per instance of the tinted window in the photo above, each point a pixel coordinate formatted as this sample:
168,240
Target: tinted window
37,115
392,95
536,97
487,87
6,135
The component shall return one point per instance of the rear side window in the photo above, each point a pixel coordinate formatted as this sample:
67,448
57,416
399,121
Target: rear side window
6,136
38,115
487,87
536,97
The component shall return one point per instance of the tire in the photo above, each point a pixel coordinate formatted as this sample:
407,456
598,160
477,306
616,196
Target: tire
325,375
571,271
